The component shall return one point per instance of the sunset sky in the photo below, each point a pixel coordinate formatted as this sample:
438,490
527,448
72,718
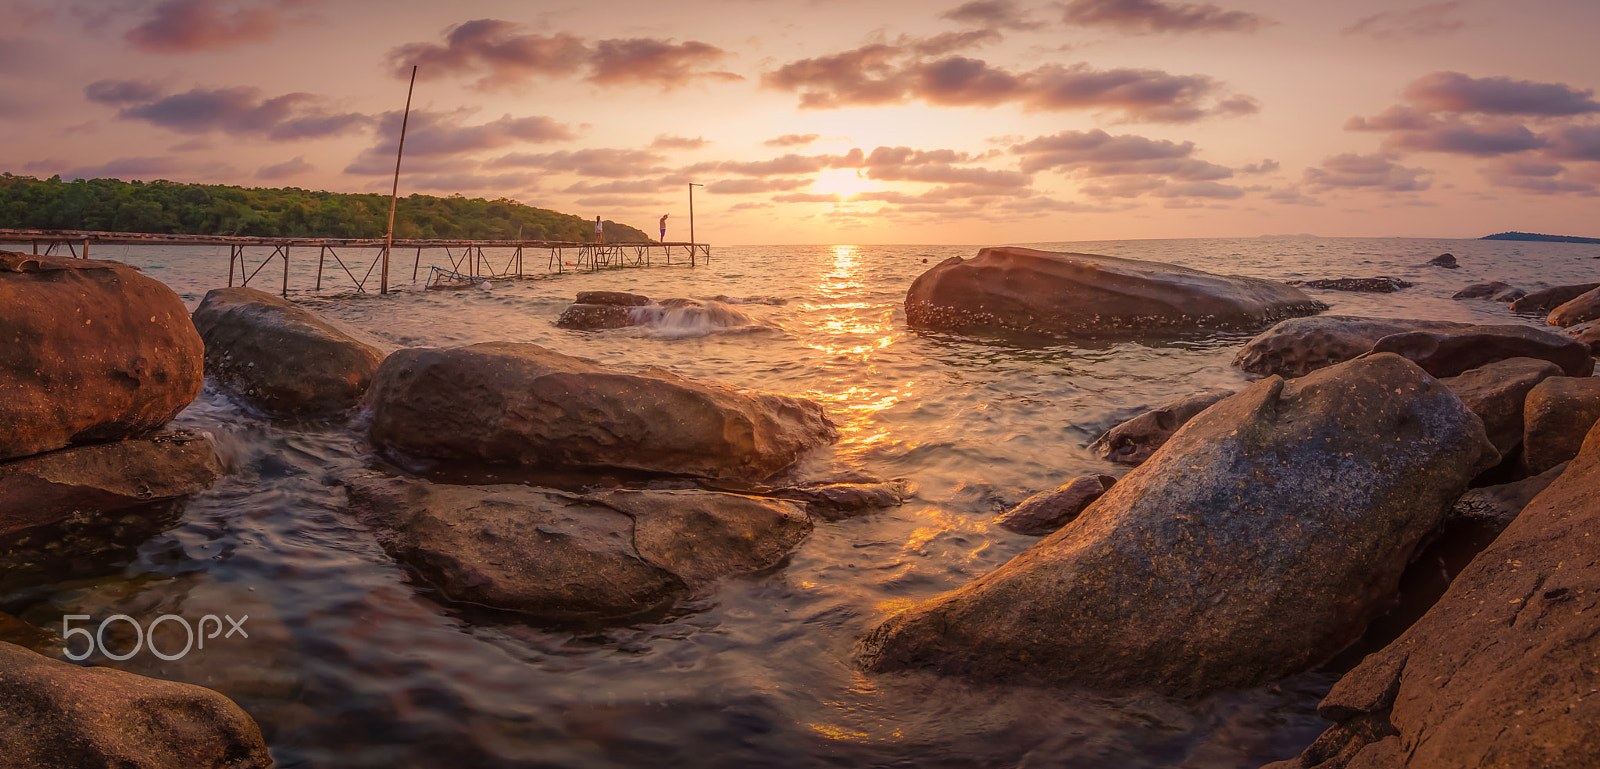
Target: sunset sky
845,121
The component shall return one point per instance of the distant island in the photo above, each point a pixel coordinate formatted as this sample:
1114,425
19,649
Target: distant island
288,212
1538,237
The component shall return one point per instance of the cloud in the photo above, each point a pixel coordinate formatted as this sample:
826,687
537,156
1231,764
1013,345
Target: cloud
238,111
992,14
666,142
1424,21
125,168
786,165
1353,171
1538,178
1459,93
1142,17
880,74
186,26
440,135
1096,154
600,161
749,186
792,140
119,92
655,62
904,164
630,186
1462,139
1577,143
618,201
285,169
807,197
503,56
1264,167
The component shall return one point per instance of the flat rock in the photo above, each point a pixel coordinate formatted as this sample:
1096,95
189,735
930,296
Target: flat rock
1256,543
94,352
1557,414
837,501
1580,309
1048,511
1133,441
54,715
1495,507
88,480
518,403
560,556
280,358
1494,290
1548,299
1379,285
1298,346
596,317
1502,670
1020,290
1448,352
1496,392
617,298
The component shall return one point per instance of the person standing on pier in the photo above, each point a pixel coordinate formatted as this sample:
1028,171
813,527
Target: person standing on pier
599,231
664,227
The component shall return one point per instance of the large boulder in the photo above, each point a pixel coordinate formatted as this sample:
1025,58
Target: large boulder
86,480
1298,346
1020,290
1579,309
1502,670
561,556
1133,441
1048,511
56,715
1496,393
1449,352
94,352
1257,542
280,358
1557,414
1544,301
518,403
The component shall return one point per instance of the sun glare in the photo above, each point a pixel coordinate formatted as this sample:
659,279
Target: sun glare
841,181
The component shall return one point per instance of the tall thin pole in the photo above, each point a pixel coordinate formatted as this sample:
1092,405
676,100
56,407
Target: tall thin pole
692,185
394,195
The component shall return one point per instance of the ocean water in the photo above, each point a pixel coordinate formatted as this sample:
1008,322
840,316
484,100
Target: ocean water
350,663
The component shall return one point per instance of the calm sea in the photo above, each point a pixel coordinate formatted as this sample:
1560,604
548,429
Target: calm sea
350,664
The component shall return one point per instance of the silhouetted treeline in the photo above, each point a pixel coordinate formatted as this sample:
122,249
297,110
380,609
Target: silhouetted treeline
212,209
1540,238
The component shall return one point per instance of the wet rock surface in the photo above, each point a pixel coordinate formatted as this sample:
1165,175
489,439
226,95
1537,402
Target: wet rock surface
94,352
1493,290
1020,290
1299,346
1133,441
1255,543
54,714
1548,299
1447,261
1580,309
1502,670
1496,393
88,480
1449,352
567,557
1379,285
280,358
1557,414
523,404
1048,511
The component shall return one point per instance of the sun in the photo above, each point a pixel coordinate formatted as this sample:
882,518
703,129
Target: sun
843,182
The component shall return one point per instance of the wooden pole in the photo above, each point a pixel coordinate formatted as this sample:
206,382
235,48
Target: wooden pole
692,185
394,195
286,272
322,256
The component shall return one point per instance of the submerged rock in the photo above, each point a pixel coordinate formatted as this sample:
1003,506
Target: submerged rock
279,357
1559,411
1494,290
1133,441
88,480
523,404
1551,298
1379,285
1450,352
1580,309
1299,346
1501,671
836,501
1047,511
1447,261
54,714
1496,393
94,352
1020,290
601,310
1254,544
561,556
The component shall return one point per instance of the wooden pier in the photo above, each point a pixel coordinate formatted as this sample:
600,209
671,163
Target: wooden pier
468,259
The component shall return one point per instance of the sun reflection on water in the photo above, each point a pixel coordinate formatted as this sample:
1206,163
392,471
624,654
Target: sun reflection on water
851,332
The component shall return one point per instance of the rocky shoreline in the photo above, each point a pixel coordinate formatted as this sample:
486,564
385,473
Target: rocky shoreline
1259,534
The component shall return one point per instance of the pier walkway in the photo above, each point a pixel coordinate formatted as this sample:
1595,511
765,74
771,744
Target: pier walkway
468,259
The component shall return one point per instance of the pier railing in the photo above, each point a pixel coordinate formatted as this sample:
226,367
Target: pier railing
467,258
